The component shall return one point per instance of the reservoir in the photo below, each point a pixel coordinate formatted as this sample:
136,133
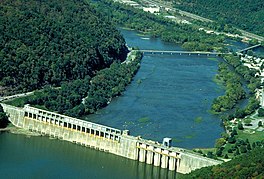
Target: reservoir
169,97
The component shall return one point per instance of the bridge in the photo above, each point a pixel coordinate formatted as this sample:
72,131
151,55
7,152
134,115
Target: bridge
172,52
249,48
106,139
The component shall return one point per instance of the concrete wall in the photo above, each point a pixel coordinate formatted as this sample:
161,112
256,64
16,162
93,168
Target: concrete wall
15,115
189,162
106,139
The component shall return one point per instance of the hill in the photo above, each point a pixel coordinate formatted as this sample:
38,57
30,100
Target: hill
45,43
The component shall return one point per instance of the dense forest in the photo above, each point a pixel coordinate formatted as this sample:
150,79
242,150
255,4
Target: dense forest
244,14
85,96
46,43
156,25
249,165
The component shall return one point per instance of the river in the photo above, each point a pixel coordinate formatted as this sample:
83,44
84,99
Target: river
169,97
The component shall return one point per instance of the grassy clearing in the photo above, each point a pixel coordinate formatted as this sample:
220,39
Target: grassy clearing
251,135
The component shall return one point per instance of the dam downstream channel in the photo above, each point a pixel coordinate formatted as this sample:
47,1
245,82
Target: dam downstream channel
169,97
44,158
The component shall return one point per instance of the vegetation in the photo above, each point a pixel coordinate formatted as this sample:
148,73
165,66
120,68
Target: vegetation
233,75
47,43
156,25
248,165
85,96
261,112
247,15
3,118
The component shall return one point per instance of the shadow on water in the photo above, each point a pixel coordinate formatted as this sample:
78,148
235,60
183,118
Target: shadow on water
41,157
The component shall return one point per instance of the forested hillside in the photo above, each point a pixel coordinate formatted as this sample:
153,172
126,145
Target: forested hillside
50,42
249,165
244,14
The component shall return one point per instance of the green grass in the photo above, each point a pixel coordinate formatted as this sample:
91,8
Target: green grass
252,137
206,150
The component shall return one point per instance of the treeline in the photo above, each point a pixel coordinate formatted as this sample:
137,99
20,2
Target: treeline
249,165
52,42
234,89
156,25
86,96
3,118
247,15
232,74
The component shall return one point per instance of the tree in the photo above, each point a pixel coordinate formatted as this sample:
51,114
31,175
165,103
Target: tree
230,151
226,156
240,126
237,152
260,124
210,154
243,149
220,142
231,140
250,53
3,118
261,112
219,153
248,147
234,132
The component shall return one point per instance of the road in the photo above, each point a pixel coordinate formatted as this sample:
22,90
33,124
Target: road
196,17
183,13
15,96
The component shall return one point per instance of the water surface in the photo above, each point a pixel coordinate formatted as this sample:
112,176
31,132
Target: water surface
169,97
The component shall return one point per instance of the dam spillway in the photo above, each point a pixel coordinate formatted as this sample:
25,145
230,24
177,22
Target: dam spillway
106,139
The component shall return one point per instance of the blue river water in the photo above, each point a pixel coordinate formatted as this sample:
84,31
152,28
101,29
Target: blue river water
169,97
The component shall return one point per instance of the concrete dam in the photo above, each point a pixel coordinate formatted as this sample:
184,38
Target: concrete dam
106,139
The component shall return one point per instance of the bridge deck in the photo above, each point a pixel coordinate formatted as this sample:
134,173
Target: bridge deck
181,52
249,48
